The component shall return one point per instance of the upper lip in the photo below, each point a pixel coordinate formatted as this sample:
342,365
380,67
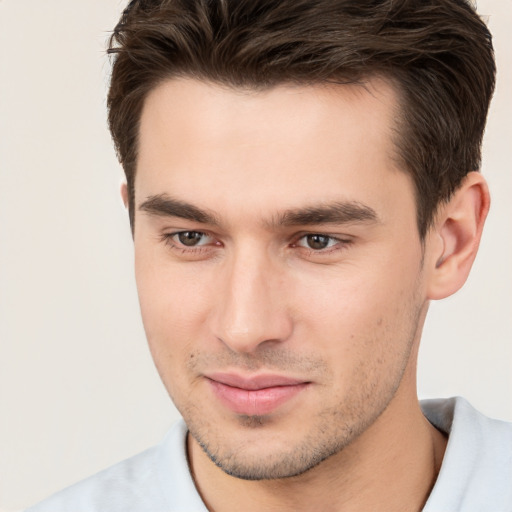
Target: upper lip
254,382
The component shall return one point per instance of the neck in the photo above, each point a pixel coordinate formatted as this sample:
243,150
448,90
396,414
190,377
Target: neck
392,466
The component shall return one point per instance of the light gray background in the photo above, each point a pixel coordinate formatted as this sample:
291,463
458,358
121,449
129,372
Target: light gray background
78,390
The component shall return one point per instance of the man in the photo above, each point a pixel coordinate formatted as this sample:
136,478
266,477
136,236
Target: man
301,182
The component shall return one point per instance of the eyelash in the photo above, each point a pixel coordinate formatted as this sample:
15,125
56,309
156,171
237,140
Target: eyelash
169,240
340,243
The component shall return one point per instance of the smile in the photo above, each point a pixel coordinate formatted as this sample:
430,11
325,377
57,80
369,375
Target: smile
255,396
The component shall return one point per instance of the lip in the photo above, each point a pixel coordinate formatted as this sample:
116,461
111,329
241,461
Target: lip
256,395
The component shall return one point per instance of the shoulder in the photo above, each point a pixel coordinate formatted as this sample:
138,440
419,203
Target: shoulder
147,481
477,467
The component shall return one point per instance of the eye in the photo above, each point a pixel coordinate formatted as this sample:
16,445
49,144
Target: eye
191,238
317,242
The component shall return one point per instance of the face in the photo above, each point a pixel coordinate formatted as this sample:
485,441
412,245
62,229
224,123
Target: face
278,265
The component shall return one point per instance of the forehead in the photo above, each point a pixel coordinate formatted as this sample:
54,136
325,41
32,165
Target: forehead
222,147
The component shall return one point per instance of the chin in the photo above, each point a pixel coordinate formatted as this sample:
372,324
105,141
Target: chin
261,451
269,464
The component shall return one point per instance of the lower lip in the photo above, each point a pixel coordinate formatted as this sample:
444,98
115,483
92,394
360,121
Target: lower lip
257,402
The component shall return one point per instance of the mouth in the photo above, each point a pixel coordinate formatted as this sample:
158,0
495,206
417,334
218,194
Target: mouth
257,395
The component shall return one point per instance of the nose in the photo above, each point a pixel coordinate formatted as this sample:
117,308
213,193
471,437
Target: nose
252,309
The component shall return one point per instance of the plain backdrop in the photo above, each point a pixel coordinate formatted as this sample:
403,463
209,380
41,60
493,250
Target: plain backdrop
78,390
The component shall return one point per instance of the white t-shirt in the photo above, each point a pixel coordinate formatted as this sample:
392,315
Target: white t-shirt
475,476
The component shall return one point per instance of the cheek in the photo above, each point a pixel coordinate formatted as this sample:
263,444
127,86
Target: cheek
172,308
365,336
365,314
173,303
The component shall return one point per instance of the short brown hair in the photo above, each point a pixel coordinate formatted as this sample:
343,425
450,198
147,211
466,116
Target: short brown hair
437,53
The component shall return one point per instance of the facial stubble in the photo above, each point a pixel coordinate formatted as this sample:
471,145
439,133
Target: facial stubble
334,427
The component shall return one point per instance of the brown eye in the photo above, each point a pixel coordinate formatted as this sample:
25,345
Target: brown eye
318,242
190,238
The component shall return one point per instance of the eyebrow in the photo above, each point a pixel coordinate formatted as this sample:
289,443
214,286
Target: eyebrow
165,206
341,212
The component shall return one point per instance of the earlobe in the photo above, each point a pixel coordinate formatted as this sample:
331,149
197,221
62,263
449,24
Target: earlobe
124,193
457,231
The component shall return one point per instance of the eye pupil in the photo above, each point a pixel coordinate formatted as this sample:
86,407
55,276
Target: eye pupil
190,238
317,241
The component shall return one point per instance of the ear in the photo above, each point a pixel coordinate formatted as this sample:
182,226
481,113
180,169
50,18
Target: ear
455,237
124,193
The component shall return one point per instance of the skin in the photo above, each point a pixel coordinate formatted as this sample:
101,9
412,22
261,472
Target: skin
257,295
